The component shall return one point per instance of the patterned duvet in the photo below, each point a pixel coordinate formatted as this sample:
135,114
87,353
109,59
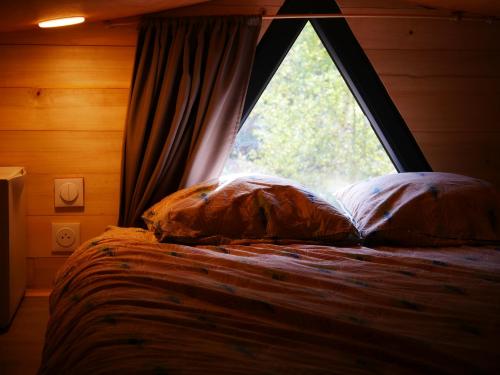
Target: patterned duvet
125,304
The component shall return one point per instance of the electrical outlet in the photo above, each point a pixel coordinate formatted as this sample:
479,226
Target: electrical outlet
65,236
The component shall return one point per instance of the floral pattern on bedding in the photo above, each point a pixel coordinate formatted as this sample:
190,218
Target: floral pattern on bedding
128,304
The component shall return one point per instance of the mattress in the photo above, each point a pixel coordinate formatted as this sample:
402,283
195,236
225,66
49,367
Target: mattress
126,304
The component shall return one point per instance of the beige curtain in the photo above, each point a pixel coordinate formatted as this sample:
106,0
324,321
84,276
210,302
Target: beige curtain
188,87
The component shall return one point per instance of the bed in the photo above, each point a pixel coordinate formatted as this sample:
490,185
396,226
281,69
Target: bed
127,303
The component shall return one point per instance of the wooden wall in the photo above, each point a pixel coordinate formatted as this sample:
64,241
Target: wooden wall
63,98
444,77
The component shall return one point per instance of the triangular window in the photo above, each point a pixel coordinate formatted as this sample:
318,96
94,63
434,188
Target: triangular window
308,127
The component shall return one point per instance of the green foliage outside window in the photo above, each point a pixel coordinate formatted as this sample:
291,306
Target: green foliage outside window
308,127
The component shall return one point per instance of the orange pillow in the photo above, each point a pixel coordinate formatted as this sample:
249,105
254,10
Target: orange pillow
247,208
424,209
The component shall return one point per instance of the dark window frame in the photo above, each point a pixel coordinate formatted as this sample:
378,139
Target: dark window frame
354,66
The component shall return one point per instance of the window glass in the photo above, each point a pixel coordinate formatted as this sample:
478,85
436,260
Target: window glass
308,127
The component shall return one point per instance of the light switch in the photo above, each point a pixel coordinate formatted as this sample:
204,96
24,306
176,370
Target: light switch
68,192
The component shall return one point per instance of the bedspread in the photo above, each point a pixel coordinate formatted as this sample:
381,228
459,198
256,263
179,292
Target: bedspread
127,304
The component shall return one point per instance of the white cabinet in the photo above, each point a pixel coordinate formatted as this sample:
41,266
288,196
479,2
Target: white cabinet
12,242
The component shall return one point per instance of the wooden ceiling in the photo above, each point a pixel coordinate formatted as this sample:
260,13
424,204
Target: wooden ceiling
25,14
480,7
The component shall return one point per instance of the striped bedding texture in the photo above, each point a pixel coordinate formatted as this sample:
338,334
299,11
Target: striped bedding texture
127,304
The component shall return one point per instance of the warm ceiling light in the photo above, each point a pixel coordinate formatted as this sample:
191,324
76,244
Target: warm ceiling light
61,22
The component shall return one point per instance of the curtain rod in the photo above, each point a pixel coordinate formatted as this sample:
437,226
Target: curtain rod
455,16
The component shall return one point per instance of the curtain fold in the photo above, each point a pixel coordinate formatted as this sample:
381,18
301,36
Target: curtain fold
188,88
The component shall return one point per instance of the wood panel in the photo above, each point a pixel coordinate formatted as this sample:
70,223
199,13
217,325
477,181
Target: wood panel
441,111
63,102
363,5
62,152
432,63
443,77
25,14
464,85
101,194
42,270
487,7
40,229
42,292
63,109
87,34
415,34
387,7
470,153
123,32
66,66
225,7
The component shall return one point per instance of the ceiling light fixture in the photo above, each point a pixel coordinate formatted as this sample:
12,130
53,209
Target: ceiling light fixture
61,22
